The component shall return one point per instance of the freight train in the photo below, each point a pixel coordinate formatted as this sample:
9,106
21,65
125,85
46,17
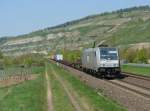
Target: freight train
100,61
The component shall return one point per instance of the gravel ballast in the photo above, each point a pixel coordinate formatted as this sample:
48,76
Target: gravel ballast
127,98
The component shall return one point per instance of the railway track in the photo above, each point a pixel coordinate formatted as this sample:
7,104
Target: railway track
136,80
136,76
135,83
131,87
142,83
129,91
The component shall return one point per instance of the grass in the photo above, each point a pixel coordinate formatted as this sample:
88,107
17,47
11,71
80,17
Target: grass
61,101
137,70
97,102
37,70
28,96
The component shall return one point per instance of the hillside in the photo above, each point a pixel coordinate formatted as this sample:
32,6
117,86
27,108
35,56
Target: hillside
122,28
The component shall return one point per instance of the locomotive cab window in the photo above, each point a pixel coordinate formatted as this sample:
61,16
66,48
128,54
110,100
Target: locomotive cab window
108,53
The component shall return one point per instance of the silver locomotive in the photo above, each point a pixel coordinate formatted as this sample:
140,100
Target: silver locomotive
101,61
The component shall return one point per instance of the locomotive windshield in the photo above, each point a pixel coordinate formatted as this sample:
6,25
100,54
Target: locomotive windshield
108,53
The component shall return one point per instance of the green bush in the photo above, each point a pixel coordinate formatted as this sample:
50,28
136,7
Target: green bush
7,61
1,55
129,55
141,56
27,60
71,56
135,56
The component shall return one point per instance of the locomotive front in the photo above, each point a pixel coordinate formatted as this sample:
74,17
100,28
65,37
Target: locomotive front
109,62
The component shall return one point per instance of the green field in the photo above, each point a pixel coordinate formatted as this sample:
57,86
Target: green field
31,95
60,98
27,96
96,101
136,70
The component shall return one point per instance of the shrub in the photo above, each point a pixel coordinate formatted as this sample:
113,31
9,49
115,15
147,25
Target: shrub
141,56
135,56
129,55
71,56
1,55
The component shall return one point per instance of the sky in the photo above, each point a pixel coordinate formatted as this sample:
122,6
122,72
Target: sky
23,16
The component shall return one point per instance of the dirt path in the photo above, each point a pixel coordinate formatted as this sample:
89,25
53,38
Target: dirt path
81,100
72,98
49,94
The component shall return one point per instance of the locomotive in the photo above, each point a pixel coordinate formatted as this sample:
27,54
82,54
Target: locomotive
103,61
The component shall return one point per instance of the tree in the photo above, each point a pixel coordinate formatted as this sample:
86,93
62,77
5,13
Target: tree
130,55
142,56
8,61
1,55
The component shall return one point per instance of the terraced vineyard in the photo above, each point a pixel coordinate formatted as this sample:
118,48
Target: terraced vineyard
122,28
22,89
7,73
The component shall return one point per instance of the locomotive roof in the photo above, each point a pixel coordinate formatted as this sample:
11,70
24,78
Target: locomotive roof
99,48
